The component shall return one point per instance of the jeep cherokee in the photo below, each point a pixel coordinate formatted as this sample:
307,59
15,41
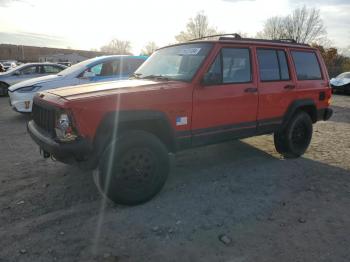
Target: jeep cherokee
185,95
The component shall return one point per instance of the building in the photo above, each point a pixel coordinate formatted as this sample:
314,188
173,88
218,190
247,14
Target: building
72,58
34,54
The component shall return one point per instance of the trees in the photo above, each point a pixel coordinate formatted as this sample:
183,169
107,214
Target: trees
117,47
149,48
304,25
335,62
196,27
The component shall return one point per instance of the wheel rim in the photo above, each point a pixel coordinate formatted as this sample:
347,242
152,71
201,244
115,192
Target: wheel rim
300,135
137,168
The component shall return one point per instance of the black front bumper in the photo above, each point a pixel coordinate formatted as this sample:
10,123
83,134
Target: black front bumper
75,151
324,114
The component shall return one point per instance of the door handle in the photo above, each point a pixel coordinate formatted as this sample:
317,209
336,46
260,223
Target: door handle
251,90
289,87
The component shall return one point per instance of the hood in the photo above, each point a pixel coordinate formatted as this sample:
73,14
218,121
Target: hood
35,81
7,73
108,88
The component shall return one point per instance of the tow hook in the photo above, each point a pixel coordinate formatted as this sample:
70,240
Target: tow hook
44,153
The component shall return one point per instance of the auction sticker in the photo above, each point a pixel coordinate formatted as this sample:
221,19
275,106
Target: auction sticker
189,51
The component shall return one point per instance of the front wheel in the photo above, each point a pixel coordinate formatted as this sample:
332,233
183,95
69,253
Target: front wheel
133,168
3,89
293,141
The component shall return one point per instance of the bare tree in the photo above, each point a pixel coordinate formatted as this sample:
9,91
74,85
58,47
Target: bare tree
273,28
303,25
196,27
149,48
117,47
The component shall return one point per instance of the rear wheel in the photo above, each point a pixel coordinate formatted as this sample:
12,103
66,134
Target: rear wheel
293,141
3,89
134,168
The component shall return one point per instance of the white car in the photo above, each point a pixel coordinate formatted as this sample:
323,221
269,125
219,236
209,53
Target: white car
99,69
341,82
25,72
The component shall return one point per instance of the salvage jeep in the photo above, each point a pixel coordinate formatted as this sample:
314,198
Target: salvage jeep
184,96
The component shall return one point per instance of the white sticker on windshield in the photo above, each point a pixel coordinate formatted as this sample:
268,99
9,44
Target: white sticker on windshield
189,51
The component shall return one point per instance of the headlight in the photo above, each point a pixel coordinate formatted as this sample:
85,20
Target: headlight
64,128
27,89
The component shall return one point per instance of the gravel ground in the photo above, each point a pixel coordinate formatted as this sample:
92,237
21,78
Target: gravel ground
237,201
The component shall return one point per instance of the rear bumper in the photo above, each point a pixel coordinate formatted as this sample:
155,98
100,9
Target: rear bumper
324,114
66,152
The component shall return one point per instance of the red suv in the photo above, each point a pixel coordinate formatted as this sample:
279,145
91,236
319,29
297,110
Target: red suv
184,96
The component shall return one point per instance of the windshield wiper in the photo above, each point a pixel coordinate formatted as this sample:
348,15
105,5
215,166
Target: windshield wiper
156,77
136,75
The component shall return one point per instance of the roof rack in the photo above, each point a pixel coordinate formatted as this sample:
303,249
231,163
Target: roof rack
278,41
235,36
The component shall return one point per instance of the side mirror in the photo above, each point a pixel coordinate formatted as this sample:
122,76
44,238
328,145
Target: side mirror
88,74
211,79
17,73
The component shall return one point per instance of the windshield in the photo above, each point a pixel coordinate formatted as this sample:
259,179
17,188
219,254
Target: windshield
344,75
176,62
78,66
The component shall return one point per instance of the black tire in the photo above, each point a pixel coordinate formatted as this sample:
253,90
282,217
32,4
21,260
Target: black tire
3,89
295,138
133,168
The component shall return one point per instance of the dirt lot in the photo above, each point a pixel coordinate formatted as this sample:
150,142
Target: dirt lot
237,201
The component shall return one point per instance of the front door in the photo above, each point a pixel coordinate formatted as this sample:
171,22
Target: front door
225,104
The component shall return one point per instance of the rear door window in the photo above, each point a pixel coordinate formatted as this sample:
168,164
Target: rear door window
273,65
306,65
50,69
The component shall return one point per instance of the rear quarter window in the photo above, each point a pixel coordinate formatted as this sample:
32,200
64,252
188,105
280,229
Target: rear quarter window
306,65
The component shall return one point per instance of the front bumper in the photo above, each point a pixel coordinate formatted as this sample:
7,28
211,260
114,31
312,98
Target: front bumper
76,151
324,114
21,102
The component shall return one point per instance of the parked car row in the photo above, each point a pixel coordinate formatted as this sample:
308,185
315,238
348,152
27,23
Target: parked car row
22,82
25,72
8,64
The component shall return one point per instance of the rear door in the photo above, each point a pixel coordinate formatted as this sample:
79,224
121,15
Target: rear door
225,104
276,86
311,81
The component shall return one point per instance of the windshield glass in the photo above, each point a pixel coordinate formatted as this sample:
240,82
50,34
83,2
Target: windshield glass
344,75
77,66
176,62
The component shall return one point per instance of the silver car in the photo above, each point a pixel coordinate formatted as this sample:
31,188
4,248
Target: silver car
25,72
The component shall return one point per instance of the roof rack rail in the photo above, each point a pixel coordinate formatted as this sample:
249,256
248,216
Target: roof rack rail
288,41
235,36
291,40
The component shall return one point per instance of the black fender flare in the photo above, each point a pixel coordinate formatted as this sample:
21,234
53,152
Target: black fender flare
114,123
300,104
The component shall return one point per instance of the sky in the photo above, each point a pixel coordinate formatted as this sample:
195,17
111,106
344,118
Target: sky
90,24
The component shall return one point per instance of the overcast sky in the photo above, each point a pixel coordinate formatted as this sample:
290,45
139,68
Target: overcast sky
87,24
